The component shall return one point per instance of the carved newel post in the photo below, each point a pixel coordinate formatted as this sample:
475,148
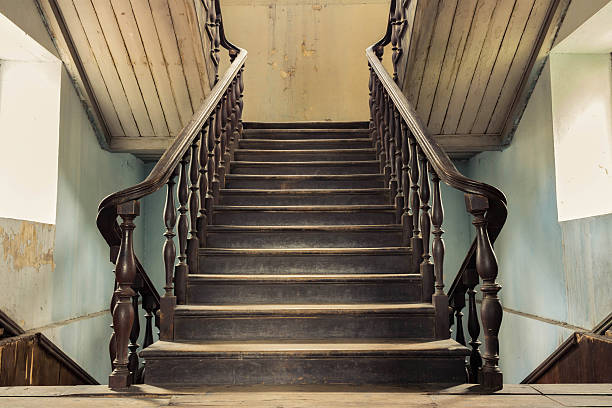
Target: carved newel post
123,312
491,308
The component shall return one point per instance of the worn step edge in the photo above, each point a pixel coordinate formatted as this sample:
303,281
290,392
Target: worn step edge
297,279
304,251
299,228
306,310
304,163
339,348
325,191
304,208
303,176
290,151
306,125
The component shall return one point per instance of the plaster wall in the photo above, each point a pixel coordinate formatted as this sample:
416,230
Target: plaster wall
58,278
306,58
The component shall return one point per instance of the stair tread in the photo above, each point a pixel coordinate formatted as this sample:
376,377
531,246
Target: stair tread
294,228
305,251
334,191
306,308
304,163
307,278
325,347
289,151
348,139
303,207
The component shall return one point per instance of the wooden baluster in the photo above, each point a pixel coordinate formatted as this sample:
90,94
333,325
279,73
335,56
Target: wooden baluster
394,40
457,306
387,137
123,312
202,221
371,105
491,309
381,128
393,184
426,268
240,101
439,298
223,161
415,241
235,114
470,280
376,119
211,145
133,362
217,154
405,155
112,344
193,243
149,305
182,269
168,300
399,195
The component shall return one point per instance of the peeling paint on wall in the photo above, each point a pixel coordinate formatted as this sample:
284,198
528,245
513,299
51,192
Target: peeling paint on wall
29,246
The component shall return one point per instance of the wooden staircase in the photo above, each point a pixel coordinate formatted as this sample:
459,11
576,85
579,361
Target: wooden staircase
305,275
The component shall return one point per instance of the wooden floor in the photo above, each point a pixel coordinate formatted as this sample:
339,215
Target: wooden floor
562,395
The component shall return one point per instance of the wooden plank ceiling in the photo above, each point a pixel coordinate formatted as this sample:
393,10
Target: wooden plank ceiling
142,66
469,65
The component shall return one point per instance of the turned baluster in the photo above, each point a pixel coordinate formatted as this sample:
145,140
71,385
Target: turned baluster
399,195
387,137
193,243
491,309
235,113
426,267
371,105
406,219
229,125
123,312
381,127
211,173
133,363
217,153
223,156
470,280
415,241
202,221
439,298
240,101
112,344
457,305
376,119
392,150
182,269
168,300
394,41
150,307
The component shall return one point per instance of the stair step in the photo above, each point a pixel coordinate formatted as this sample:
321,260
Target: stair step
305,155
304,215
306,125
339,236
301,322
303,289
371,361
305,168
251,197
305,144
284,182
305,261
293,134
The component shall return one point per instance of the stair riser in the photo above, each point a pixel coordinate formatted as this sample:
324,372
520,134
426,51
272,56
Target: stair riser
304,169
306,144
303,264
203,292
299,156
304,370
304,239
248,199
311,134
256,217
306,327
306,183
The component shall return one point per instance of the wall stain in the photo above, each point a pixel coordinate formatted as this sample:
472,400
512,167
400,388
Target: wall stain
31,246
307,52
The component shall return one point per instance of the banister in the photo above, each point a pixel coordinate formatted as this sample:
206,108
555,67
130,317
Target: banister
486,203
131,278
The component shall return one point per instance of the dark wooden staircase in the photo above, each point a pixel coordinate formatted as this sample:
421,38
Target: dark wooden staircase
304,253
305,275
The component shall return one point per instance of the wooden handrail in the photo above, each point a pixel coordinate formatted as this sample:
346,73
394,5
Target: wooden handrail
391,110
225,102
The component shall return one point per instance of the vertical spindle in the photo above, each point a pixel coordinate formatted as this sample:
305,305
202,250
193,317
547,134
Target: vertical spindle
168,300
439,298
182,269
393,184
415,241
426,267
405,154
470,280
133,363
399,195
193,242
210,169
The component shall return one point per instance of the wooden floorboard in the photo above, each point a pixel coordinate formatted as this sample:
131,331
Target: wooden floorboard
553,395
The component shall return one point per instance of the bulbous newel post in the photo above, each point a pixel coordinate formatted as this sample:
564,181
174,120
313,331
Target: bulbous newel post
123,312
439,298
491,310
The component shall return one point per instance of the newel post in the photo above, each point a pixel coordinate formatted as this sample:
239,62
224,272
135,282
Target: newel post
491,308
123,311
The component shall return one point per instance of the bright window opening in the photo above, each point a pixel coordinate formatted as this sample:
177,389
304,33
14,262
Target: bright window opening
30,80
